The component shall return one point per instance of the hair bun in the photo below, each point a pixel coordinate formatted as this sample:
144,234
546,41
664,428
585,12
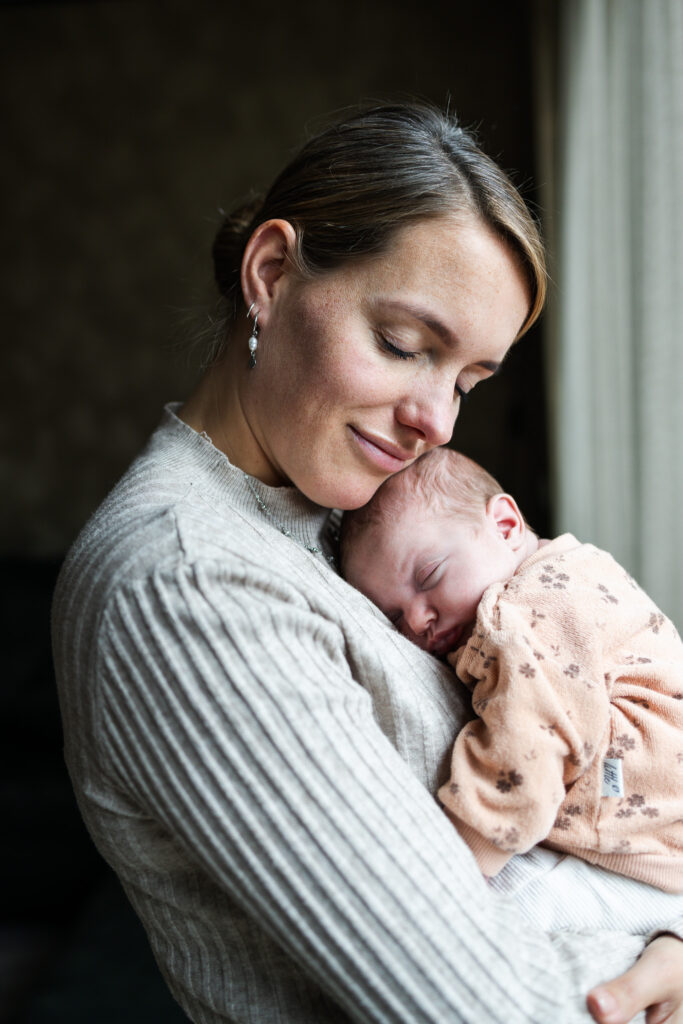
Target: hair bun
229,243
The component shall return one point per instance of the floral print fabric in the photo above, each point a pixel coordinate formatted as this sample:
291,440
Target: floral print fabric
570,663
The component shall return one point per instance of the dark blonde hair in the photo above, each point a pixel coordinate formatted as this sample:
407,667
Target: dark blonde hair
451,483
351,187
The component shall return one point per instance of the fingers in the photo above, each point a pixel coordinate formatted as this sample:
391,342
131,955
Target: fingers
605,1006
655,981
661,1013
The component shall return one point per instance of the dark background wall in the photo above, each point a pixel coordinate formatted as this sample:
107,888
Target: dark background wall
126,127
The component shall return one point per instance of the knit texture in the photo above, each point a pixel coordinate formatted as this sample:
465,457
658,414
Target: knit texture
254,749
572,664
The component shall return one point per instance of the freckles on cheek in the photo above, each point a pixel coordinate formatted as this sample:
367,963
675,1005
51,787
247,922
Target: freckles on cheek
318,345
318,313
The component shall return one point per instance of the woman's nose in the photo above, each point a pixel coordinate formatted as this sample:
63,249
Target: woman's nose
431,414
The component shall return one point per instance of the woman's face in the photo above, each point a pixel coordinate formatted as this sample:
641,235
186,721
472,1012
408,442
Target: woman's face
362,369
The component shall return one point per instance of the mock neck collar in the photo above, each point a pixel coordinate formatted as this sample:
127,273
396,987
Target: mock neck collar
224,483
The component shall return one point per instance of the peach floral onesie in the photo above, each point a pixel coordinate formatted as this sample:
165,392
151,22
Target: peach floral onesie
577,682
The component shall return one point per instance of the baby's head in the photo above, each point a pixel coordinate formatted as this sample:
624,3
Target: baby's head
430,542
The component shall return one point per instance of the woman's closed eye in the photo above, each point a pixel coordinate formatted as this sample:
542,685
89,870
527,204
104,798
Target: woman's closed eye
468,380
394,350
463,388
465,385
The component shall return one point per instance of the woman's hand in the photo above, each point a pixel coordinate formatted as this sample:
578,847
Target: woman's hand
655,982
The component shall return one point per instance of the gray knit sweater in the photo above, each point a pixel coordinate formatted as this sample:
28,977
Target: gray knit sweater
254,749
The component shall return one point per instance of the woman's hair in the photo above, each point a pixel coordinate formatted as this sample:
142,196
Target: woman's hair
447,482
351,187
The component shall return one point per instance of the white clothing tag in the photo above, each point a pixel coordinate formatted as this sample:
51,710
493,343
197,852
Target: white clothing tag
612,777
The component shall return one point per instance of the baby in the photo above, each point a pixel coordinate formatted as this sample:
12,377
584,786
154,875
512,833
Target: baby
576,676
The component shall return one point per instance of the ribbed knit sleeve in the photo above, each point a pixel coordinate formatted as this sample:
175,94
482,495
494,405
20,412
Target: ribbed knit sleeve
269,771
255,751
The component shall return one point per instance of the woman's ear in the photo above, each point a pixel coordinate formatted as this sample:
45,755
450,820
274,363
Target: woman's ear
264,264
503,513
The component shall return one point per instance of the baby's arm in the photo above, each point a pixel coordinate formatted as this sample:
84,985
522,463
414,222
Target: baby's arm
541,718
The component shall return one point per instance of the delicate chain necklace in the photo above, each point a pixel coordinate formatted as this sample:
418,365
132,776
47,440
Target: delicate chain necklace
313,548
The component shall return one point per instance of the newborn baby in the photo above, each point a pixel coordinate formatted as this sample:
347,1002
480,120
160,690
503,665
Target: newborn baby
576,676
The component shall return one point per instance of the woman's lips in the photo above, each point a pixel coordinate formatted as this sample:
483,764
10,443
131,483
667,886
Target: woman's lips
383,453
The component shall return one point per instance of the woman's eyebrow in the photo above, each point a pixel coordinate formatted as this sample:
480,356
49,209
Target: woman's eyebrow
439,328
424,315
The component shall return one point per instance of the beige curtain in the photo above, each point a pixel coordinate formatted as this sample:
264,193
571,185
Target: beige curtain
611,123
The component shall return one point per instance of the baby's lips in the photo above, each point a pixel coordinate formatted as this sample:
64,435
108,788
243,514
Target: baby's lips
446,641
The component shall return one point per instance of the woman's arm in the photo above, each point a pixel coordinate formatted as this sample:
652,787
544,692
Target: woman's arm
232,719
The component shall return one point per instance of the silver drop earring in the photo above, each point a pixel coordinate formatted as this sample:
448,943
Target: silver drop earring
253,340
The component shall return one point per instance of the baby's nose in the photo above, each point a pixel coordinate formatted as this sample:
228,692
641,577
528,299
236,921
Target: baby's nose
418,617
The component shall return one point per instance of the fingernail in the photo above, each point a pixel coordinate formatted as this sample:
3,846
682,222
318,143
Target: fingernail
604,1002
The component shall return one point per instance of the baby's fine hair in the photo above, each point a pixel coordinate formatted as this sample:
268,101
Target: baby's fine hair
449,481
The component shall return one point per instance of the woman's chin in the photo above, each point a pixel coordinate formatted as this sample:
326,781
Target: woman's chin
355,497
344,494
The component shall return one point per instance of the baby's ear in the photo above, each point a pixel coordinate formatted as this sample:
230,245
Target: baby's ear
504,514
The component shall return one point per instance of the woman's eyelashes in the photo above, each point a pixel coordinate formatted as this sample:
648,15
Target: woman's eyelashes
389,346
392,349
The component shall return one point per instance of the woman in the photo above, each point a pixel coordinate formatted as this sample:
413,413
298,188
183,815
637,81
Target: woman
251,742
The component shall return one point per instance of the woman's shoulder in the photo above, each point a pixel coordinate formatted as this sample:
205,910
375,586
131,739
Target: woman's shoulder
180,505
172,507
